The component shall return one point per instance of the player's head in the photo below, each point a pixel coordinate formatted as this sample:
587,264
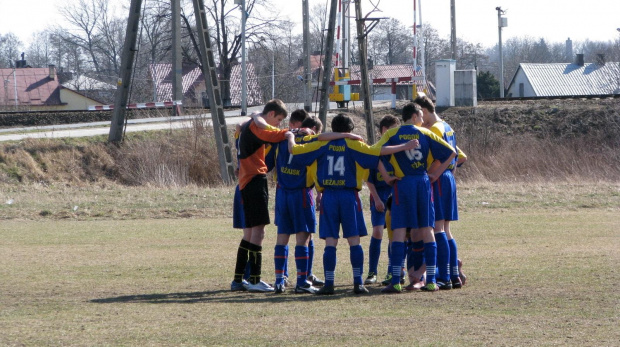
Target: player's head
274,112
410,111
297,117
342,124
425,103
313,123
388,122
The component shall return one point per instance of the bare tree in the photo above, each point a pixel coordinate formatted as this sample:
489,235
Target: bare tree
9,49
39,52
391,43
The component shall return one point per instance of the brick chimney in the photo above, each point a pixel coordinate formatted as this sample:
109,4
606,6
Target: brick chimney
579,59
52,71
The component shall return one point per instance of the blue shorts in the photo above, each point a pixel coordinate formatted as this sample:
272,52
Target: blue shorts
378,218
341,207
412,203
238,215
444,195
295,211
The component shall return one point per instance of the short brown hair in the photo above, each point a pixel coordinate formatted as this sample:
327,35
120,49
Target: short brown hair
299,115
277,106
312,122
409,110
425,102
388,121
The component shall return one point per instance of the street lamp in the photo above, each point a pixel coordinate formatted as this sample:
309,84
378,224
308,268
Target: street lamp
501,22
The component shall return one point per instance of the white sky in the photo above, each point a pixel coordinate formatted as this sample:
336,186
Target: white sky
476,20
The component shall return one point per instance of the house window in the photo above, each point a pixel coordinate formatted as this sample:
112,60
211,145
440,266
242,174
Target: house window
521,90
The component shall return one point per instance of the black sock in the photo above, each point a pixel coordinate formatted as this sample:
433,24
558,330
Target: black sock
242,260
256,261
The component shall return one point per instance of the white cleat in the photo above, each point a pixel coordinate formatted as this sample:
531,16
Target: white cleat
260,287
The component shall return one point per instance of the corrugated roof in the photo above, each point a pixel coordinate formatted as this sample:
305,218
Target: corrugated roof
192,76
82,83
34,87
572,79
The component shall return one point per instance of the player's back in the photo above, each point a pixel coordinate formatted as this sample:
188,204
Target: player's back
291,174
341,164
415,161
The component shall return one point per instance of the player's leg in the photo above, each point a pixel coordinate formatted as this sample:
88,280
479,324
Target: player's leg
426,222
242,266
377,219
457,276
443,255
256,198
329,230
301,261
415,258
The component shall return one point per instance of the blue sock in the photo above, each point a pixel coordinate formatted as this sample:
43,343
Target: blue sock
357,263
329,264
430,257
454,259
279,259
409,253
301,260
374,252
310,256
286,261
443,257
398,254
389,265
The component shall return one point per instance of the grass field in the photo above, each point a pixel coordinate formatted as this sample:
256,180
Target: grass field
541,259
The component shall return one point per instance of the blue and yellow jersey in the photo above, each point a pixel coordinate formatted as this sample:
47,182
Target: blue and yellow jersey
445,131
341,164
290,174
460,155
415,161
374,176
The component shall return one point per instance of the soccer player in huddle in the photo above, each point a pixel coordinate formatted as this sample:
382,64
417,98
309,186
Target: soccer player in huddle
341,166
254,192
295,208
445,201
238,215
412,198
379,193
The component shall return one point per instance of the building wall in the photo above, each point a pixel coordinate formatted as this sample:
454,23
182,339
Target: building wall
72,101
513,91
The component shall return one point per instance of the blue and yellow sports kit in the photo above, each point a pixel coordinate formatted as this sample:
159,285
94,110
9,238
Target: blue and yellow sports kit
341,168
411,207
444,189
295,210
412,197
383,190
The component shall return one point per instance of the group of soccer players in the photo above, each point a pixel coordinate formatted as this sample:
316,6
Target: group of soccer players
404,164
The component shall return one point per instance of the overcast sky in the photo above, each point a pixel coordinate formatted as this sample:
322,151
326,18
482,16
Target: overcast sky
476,20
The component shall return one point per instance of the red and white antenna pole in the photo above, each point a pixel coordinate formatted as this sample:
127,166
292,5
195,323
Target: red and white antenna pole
338,30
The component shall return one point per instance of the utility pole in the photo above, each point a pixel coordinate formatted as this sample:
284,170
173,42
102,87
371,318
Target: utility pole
244,71
327,64
365,83
177,65
124,81
453,29
306,52
501,22
224,151
208,70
